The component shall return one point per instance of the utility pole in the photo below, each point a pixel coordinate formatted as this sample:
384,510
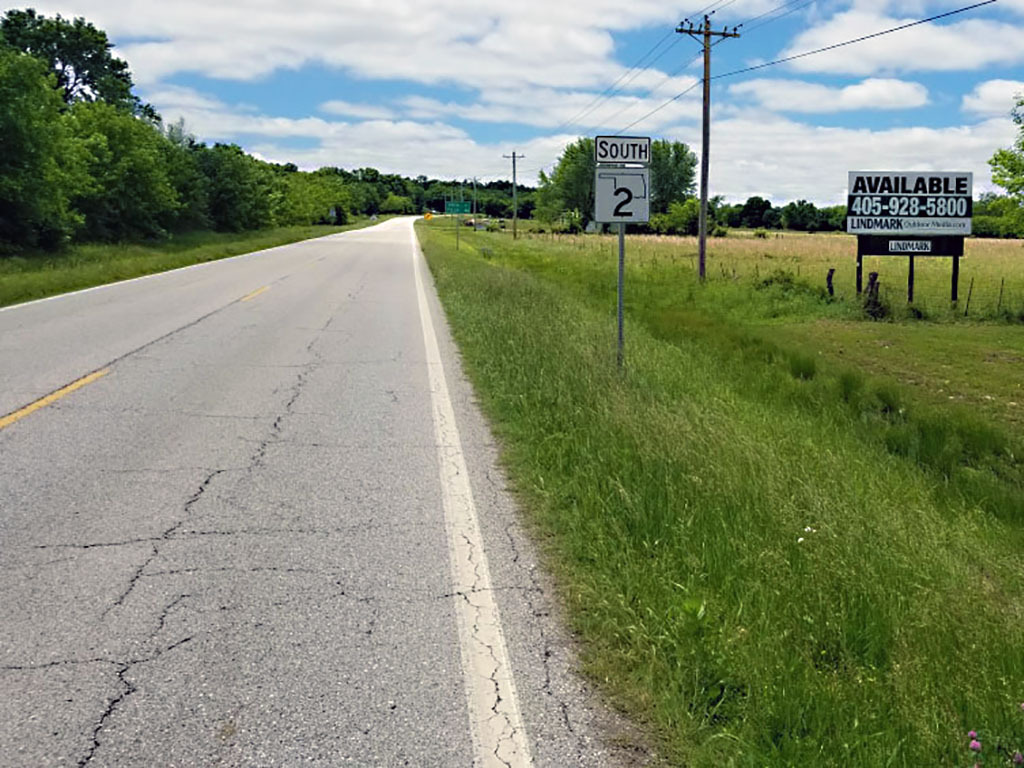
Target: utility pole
515,203
705,32
474,199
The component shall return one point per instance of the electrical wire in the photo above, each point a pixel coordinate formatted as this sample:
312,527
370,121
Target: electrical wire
812,53
608,91
654,90
851,42
659,108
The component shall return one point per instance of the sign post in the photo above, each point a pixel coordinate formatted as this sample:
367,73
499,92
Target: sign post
456,207
910,213
622,194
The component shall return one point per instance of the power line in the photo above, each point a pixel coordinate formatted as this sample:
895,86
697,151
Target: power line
599,103
770,12
654,90
614,88
607,91
659,108
855,40
811,53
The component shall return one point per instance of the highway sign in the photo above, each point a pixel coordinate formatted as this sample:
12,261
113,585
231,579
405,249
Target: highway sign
457,206
622,149
622,195
909,204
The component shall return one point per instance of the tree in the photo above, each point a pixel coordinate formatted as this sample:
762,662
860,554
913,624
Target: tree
79,55
752,214
573,179
41,167
396,204
131,195
772,218
673,168
243,191
181,157
684,217
801,216
1008,164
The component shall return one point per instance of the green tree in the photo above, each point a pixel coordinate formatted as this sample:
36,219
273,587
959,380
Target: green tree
772,218
396,204
573,178
548,201
41,167
801,216
79,55
673,168
131,195
752,214
186,177
1008,164
684,217
243,191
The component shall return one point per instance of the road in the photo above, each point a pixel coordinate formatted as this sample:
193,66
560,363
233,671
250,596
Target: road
265,526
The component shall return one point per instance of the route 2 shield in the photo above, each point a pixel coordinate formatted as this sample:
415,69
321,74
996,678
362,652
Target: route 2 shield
622,195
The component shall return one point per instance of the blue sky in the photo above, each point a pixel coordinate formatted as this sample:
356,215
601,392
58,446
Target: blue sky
446,89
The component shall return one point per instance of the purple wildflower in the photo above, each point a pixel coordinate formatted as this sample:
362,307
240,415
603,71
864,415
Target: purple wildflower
1018,758
972,734
975,745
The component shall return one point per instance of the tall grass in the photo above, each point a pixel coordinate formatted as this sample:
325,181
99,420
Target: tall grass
772,562
995,266
37,275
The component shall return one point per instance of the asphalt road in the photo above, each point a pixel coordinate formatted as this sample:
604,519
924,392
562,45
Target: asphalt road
243,541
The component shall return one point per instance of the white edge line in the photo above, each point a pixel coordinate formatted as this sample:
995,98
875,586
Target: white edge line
496,726
211,262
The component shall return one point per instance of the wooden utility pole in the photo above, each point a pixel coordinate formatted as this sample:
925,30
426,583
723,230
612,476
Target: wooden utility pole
515,202
705,34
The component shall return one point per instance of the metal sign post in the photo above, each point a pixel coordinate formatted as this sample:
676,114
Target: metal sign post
622,277
456,208
622,192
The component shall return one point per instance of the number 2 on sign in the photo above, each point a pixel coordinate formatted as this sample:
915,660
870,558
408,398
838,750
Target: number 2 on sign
629,199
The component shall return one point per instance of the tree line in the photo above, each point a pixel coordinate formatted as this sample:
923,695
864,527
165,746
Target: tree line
83,159
565,197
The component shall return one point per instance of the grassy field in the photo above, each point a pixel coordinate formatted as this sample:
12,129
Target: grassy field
777,549
35,276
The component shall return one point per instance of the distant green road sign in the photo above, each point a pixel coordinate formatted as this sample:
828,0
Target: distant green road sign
455,206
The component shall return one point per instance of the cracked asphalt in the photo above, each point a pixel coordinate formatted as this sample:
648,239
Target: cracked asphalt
231,550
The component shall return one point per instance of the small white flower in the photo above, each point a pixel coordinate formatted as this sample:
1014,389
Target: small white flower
800,540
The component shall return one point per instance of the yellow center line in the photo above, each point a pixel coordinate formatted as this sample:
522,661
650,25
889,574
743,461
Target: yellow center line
256,293
53,397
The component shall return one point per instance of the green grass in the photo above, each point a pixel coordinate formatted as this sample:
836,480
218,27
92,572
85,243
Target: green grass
37,275
772,558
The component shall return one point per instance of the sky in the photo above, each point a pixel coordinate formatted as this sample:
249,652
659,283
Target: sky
447,88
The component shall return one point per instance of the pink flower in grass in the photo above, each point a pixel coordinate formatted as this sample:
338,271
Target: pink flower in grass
1018,758
975,745
972,734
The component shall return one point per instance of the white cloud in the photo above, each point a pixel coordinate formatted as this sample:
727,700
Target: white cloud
759,153
993,97
476,44
550,108
801,96
539,63
962,45
364,111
